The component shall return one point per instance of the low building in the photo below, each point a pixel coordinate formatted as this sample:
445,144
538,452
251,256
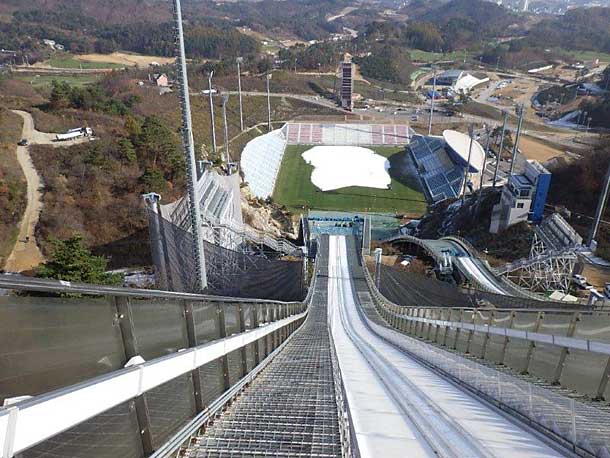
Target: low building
161,79
460,81
523,198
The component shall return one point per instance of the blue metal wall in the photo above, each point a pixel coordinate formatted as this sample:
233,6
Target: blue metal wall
539,200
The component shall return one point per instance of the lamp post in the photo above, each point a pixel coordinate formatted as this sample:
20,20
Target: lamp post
241,109
432,101
268,77
520,112
225,99
210,75
499,156
467,168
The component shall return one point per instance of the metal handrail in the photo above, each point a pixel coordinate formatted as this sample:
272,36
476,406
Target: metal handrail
22,283
110,390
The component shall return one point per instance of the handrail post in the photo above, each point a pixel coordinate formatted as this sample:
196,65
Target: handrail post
130,347
532,345
222,331
564,351
192,340
254,320
243,352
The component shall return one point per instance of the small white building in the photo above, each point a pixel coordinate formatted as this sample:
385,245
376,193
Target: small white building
460,81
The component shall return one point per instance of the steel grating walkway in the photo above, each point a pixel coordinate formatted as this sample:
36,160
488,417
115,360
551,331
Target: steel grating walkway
290,409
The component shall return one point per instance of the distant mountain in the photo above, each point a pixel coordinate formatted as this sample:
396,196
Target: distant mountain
477,15
105,11
578,29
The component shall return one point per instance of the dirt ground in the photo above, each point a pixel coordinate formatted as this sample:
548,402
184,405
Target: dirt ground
26,255
121,58
533,149
596,276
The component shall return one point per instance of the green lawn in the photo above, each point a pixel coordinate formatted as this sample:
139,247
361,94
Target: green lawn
295,189
46,80
425,56
67,61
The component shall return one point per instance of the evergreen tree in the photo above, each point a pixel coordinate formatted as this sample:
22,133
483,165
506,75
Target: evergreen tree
71,260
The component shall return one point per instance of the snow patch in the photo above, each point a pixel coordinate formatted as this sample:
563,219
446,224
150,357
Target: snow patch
338,167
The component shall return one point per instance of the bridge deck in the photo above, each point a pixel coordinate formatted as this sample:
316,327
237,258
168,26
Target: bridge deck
397,406
290,408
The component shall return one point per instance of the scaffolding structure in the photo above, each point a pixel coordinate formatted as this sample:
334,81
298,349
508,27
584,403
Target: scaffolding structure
552,258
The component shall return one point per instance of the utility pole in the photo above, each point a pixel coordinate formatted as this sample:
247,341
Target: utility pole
520,112
601,204
432,101
268,77
210,75
241,109
467,168
189,151
225,99
499,156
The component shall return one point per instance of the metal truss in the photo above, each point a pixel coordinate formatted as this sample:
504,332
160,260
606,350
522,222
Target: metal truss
545,269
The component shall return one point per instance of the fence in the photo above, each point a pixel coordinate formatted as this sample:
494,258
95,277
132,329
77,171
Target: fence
230,273
552,345
416,290
75,356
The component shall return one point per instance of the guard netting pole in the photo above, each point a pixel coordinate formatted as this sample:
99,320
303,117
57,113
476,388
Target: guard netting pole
189,152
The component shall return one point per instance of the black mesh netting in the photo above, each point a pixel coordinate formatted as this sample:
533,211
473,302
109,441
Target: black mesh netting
416,290
229,272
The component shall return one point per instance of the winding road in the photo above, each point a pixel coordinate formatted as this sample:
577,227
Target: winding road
26,255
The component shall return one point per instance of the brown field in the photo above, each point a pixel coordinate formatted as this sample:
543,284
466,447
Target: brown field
533,149
121,58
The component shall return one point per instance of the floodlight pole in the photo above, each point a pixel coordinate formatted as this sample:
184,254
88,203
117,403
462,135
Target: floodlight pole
210,75
601,204
467,168
189,151
520,111
488,133
268,77
432,102
499,156
241,109
225,99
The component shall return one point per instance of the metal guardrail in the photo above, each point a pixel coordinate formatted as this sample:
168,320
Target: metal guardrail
22,283
202,338
27,423
579,426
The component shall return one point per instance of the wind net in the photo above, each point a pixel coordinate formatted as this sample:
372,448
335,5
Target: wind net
229,272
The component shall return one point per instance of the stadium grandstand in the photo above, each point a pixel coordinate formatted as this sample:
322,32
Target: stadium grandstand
261,159
460,81
220,204
441,162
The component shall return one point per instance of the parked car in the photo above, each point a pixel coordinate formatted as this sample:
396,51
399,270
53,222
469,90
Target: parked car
579,280
23,142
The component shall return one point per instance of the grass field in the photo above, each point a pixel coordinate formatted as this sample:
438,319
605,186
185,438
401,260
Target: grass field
68,61
295,189
46,80
425,56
